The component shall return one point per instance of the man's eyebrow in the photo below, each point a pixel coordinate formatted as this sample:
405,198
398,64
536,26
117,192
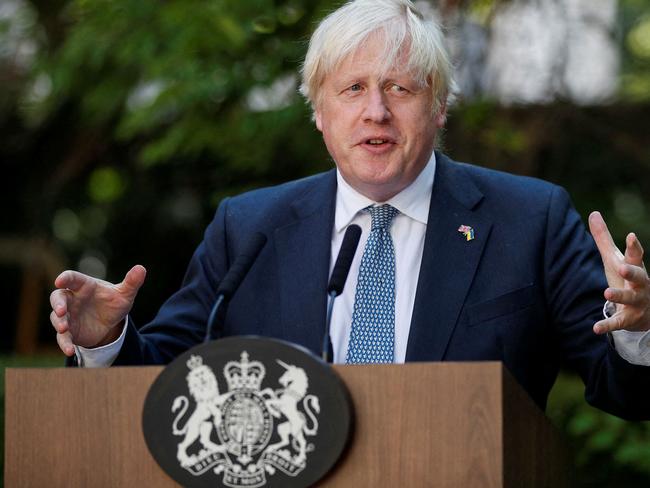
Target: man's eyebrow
399,78
348,79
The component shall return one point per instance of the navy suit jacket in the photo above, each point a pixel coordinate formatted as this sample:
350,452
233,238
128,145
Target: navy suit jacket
526,291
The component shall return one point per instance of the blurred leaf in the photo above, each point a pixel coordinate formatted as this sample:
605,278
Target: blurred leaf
602,440
105,185
290,13
264,25
582,423
638,39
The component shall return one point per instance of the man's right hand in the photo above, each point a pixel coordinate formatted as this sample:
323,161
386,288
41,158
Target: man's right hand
89,312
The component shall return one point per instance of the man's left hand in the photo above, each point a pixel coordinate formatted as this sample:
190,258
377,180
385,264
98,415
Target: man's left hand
629,285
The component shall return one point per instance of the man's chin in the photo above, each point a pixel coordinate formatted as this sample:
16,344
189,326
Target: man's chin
378,189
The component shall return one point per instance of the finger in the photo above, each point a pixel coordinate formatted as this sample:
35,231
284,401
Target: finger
624,296
72,280
602,236
635,275
633,250
133,280
59,302
65,343
609,325
60,324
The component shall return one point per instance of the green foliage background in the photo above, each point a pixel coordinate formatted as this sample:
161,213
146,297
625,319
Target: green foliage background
134,118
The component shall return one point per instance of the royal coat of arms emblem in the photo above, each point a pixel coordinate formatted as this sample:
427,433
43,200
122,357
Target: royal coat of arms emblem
247,412
244,419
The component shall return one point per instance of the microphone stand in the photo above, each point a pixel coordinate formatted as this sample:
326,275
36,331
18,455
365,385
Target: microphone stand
234,277
326,342
338,278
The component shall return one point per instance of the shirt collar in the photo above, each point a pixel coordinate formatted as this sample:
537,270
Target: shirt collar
413,201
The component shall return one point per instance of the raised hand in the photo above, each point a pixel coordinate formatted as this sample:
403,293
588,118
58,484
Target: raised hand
629,285
90,312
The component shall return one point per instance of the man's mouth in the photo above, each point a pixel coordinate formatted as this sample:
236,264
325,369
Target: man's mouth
378,141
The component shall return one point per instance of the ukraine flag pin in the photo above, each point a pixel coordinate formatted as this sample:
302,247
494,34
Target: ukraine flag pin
467,231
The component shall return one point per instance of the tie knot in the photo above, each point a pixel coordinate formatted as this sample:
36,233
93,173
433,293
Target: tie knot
381,215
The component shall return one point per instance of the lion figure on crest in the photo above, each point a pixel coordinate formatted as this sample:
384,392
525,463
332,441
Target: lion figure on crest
202,384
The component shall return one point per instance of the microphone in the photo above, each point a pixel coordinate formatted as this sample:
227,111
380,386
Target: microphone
234,276
339,276
344,260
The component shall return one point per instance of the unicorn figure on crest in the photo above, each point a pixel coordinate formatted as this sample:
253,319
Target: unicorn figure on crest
285,402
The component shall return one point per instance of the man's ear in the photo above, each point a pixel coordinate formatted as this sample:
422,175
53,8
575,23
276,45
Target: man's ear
440,118
318,120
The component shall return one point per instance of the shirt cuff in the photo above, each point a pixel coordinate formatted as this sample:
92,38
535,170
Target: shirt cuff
103,356
633,346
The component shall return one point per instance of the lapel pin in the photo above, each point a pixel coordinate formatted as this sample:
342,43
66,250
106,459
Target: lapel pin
467,231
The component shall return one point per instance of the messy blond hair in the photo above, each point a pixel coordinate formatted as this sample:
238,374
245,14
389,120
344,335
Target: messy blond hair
404,30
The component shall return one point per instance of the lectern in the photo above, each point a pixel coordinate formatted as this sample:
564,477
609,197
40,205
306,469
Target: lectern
459,425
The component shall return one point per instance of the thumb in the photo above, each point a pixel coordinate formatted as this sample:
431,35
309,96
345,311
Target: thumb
603,238
133,280
600,233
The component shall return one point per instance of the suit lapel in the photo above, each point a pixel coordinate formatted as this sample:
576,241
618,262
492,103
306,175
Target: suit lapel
449,261
303,250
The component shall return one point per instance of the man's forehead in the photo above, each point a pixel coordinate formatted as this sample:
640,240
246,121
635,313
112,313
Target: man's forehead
374,59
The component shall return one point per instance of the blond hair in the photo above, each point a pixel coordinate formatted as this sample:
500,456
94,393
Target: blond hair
404,30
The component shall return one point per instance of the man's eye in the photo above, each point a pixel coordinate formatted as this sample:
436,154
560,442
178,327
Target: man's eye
355,87
397,89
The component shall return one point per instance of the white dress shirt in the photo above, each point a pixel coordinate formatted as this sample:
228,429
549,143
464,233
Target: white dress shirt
407,230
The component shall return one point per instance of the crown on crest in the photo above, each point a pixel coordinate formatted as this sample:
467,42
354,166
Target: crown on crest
194,362
244,374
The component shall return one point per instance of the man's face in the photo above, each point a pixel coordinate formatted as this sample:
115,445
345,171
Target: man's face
379,129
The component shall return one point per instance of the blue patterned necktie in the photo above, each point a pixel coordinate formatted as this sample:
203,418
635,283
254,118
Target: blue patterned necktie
372,337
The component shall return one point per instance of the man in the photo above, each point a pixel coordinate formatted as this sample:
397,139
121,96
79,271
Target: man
459,262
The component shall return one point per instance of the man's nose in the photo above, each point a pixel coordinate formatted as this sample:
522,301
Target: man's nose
376,109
